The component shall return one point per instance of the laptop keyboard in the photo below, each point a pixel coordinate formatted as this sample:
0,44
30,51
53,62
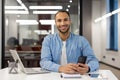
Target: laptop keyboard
33,70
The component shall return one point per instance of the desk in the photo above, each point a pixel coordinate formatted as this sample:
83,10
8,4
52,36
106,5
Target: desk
4,75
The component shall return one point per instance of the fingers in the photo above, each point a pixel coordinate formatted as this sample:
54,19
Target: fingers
83,68
69,68
74,68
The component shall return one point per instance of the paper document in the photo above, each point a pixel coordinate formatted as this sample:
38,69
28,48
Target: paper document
63,75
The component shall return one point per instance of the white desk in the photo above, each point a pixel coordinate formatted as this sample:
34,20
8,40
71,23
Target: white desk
4,75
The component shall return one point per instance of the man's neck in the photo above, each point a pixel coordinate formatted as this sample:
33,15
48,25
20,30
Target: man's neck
64,36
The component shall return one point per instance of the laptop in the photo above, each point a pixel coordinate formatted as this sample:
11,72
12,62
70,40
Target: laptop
26,70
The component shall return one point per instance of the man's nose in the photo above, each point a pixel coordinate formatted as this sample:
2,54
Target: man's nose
62,22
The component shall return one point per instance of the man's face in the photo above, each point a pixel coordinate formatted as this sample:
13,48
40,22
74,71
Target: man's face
63,22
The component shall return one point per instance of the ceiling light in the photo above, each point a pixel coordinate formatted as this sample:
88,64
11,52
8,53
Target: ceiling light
24,7
67,9
103,17
45,7
21,3
17,7
13,7
98,19
44,12
16,12
70,1
41,32
116,11
107,15
68,6
47,22
18,16
27,22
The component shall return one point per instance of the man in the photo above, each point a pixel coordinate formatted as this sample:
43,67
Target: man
52,49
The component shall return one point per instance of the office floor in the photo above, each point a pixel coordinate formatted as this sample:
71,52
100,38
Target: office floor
115,71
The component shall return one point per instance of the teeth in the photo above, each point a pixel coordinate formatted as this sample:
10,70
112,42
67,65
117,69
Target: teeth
63,27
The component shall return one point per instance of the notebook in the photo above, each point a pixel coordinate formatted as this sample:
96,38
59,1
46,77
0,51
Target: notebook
64,75
26,70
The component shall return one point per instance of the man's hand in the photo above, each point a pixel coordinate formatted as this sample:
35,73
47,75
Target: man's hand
83,68
69,68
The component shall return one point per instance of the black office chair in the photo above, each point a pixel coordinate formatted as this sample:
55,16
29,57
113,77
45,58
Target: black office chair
12,42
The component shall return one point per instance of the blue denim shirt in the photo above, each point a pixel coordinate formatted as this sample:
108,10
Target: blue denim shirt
75,46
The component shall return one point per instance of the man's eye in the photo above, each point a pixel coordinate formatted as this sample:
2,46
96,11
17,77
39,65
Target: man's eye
58,20
66,19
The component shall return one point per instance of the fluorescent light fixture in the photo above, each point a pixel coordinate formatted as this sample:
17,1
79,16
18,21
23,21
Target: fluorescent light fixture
19,1
16,12
70,1
45,7
27,22
17,7
98,19
13,7
107,15
22,5
103,17
47,22
116,11
41,32
44,12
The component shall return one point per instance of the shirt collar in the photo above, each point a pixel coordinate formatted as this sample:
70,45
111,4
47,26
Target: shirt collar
69,38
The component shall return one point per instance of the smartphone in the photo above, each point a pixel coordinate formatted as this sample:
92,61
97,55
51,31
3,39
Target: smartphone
82,59
94,75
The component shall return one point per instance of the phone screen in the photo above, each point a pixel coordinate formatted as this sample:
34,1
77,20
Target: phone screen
94,75
82,59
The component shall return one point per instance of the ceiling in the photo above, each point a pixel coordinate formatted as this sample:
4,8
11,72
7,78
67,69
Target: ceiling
73,6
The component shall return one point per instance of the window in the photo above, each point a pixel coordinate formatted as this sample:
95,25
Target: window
112,26
26,26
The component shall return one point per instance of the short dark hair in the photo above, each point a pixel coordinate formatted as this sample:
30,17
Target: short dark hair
62,11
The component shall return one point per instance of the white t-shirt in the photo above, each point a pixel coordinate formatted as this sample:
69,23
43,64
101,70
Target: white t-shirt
63,54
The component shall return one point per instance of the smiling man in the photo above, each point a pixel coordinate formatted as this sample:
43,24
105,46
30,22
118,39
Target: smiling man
60,51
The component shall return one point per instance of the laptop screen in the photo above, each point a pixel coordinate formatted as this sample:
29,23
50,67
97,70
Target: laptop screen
16,57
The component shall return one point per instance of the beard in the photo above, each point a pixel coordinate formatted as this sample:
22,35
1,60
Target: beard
64,32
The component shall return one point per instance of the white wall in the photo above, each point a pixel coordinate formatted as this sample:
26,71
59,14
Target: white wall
0,30
99,35
96,29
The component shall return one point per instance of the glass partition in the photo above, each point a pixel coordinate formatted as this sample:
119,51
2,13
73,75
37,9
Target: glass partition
27,22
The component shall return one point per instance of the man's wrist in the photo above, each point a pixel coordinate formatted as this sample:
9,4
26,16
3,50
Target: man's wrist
60,69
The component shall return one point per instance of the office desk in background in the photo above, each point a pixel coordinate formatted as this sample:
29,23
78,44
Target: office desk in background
4,75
